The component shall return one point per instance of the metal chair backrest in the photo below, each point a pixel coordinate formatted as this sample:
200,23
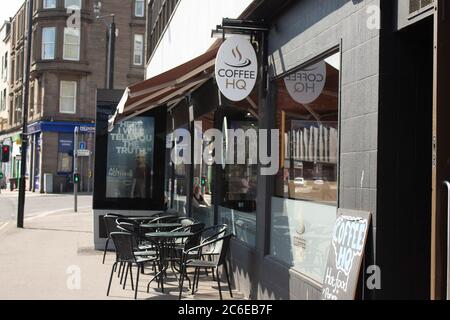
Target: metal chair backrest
123,241
224,244
110,223
165,219
213,233
196,238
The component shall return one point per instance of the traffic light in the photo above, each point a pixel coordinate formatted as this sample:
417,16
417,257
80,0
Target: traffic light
6,150
1,175
76,178
203,181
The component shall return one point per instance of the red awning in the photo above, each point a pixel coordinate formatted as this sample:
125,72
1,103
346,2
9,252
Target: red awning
166,88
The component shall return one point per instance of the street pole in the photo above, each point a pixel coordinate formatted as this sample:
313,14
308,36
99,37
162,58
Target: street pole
75,169
26,93
111,53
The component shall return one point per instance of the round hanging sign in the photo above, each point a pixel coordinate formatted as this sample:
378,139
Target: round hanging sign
236,68
306,85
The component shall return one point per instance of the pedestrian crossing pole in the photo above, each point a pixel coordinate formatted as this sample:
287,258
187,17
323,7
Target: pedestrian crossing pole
75,168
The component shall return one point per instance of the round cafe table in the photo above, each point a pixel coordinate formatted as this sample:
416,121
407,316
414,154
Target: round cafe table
161,239
160,226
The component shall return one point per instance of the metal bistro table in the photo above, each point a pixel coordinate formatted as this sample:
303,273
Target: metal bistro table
160,226
160,239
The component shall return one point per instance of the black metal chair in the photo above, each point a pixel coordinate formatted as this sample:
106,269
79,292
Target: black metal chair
123,242
110,226
188,262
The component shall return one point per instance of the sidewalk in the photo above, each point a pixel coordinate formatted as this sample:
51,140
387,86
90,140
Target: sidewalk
53,258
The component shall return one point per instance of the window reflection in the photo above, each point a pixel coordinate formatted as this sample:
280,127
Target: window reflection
304,206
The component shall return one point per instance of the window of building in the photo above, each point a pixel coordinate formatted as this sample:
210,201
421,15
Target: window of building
417,5
237,194
65,148
71,44
73,4
129,166
138,55
49,4
68,97
5,70
139,8
305,201
48,43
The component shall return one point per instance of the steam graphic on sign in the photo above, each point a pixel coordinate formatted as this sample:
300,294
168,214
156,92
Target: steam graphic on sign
238,56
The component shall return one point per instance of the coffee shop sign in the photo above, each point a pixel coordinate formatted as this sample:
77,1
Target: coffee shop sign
236,68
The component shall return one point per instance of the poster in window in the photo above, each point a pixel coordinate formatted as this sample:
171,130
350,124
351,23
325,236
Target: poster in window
130,159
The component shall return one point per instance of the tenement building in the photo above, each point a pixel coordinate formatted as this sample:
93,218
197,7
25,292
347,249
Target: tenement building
69,63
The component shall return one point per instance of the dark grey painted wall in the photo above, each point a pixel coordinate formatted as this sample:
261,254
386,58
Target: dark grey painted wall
305,30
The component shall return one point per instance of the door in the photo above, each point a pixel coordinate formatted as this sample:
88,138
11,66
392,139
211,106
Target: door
441,152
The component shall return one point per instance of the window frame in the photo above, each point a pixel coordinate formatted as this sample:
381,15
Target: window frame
46,6
135,52
136,9
74,97
65,44
44,44
74,8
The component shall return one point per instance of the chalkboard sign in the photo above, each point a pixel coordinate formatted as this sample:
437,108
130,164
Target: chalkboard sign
346,254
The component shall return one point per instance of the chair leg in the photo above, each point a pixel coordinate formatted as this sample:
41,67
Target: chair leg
131,276
123,271
228,278
195,280
104,251
120,269
127,269
110,278
137,281
218,283
183,271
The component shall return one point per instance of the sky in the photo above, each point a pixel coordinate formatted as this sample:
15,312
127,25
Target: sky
8,8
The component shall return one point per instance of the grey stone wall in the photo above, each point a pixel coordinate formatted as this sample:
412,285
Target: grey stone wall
304,31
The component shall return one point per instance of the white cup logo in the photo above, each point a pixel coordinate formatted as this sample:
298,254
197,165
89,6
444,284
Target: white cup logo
306,85
236,68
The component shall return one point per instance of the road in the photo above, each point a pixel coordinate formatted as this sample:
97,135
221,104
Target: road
38,204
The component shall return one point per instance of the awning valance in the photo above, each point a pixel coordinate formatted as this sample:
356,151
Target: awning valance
168,87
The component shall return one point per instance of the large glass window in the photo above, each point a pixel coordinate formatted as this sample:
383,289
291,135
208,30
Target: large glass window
304,206
202,202
239,180
71,44
48,43
68,97
129,169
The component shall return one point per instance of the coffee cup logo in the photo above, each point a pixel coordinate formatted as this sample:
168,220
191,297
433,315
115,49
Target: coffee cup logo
236,68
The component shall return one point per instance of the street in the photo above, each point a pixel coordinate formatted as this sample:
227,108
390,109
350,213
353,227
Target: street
38,204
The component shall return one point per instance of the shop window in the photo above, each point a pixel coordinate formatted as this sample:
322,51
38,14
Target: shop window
129,168
71,44
68,97
180,181
65,151
239,181
202,202
138,50
48,43
304,206
48,4
139,8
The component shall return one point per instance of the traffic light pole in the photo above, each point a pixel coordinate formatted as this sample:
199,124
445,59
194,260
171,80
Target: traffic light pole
26,94
75,169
